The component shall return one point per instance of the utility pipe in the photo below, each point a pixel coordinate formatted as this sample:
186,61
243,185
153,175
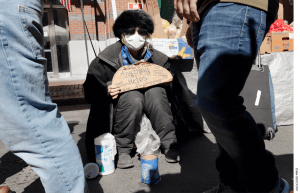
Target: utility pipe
114,9
83,22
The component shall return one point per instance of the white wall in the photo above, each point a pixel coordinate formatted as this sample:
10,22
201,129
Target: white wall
78,58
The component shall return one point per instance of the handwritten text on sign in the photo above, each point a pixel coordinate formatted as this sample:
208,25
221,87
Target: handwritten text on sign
143,75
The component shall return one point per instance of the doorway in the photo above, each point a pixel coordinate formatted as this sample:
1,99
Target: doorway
56,39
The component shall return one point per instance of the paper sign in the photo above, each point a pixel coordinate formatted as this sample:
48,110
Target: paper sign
135,6
143,75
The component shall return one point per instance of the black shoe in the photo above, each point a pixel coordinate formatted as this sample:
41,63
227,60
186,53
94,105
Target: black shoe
172,156
124,161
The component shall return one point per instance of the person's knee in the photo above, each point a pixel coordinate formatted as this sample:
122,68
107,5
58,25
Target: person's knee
157,97
135,104
130,100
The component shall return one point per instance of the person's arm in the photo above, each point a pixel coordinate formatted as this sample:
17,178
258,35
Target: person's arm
95,85
187,9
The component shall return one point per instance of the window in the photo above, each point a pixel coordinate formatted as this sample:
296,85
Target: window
56,39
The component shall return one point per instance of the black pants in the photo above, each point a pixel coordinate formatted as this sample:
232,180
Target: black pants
128,114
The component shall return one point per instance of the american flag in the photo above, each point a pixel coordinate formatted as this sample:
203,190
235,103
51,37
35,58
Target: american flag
67,4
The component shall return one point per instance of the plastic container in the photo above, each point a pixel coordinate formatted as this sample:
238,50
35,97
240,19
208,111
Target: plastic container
105,150
149,169
91,170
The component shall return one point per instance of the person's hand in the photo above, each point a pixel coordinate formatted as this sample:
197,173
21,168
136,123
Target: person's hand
113,91
187,9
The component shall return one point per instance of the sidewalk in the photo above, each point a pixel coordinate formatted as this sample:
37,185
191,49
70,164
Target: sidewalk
195,173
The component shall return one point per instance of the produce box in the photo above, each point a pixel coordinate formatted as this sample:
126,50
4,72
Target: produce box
169,38
173,47
282,41
181,54
266,46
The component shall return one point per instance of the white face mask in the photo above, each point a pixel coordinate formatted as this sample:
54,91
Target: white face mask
135,41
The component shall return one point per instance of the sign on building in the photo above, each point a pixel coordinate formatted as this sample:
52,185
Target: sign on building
135,6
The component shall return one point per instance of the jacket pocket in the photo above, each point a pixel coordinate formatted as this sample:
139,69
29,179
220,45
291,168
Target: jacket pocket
30,20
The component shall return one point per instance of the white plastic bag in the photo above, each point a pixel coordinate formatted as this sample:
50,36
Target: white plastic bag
147,141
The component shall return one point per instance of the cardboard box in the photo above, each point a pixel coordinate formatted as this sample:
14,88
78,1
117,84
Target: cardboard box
170,47
175,47
282,41
154,12
266,46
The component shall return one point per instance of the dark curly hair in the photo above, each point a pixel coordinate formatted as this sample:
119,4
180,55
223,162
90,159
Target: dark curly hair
133,18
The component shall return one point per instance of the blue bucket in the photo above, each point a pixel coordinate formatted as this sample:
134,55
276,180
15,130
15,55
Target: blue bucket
149,169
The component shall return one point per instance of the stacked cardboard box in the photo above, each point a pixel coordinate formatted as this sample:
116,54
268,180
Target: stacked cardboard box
266,46
282,41
171,47
278,42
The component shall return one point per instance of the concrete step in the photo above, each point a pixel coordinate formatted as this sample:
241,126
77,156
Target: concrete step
68,89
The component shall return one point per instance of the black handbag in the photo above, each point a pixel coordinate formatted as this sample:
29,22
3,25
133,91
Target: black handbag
256,94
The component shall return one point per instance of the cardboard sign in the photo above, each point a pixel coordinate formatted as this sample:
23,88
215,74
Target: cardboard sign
153,11
143,75
135,6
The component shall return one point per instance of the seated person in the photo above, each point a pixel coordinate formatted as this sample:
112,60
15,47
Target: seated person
123,111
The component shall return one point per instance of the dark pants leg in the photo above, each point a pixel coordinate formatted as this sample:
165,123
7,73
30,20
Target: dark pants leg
128,116
226,41
158,111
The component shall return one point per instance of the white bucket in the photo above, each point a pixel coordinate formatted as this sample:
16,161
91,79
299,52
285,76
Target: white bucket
105,150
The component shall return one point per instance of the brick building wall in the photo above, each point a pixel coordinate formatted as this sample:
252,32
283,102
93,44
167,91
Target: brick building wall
98,16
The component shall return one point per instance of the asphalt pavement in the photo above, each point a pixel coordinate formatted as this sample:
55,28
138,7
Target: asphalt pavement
195,173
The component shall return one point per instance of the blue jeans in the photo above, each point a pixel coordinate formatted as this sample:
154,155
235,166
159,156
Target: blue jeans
226,41
31,126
